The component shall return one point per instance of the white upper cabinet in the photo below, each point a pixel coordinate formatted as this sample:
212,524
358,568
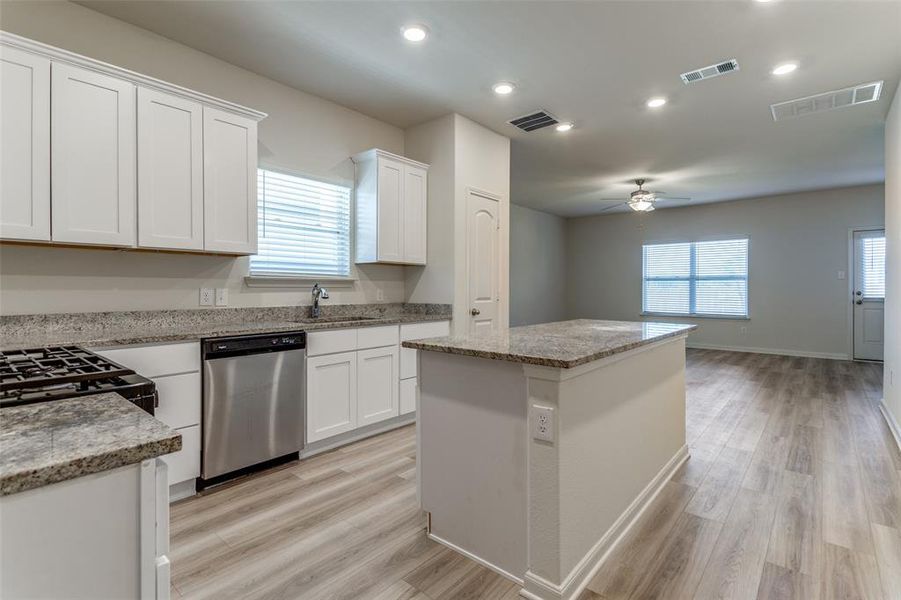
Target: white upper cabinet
170,171
93,185
229,182
391,196
25,151
96,154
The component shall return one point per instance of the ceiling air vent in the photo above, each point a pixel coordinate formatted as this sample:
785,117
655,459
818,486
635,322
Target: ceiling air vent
711,71
536,120
858,94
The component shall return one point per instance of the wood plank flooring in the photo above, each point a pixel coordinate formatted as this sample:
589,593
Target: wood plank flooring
793,490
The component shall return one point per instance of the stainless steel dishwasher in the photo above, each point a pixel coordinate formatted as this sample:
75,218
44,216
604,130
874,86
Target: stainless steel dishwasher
253,402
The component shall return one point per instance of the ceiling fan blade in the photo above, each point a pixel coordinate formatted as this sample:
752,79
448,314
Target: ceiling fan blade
612,207
673,198
613,199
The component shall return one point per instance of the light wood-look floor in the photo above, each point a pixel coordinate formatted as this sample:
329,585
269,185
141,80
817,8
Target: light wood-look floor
793,490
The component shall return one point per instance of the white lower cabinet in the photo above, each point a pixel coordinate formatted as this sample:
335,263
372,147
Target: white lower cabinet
175,369
331,395
185,464
377,393
408,395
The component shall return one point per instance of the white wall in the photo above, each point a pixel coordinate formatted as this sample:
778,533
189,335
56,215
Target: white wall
303,133
537,266
462,155
798,244
433,143
892,373
482,161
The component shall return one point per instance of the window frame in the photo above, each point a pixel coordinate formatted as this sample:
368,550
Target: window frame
307,279
692,279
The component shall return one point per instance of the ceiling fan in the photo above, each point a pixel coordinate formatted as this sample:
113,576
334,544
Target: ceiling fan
641,200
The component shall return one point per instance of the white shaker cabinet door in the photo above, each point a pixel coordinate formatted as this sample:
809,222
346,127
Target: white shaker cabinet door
170,171
377,385
390,210
331,395
414,214
25,147
229,182
92,157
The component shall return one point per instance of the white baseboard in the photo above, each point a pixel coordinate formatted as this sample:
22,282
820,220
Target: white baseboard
475,558
804,353
892,423
539,588
356,435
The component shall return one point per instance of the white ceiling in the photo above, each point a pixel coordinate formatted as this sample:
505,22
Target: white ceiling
595,63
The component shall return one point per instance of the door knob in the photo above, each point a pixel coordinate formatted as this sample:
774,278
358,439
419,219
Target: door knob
858,301
475,312
859,293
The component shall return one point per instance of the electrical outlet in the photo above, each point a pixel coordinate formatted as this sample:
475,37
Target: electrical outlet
221,296
206,296
543,423
380,295
743,330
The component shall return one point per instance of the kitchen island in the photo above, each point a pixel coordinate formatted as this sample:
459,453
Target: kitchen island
538,446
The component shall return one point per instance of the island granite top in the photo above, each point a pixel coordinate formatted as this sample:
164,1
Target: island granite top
564,344
49,442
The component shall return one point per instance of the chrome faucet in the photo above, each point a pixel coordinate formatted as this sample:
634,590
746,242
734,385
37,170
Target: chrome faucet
318,292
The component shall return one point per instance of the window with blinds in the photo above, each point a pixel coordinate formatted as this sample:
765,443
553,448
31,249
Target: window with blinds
303,227
871,265
708,278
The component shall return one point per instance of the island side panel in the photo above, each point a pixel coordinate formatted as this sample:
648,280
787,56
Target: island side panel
620,428
472,452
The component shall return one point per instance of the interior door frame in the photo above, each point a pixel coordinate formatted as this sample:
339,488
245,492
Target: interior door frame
851,277
474,191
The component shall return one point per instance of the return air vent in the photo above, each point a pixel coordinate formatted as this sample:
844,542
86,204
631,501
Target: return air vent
711,71
858,94
536,120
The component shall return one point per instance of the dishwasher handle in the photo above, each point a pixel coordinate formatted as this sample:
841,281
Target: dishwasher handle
244,345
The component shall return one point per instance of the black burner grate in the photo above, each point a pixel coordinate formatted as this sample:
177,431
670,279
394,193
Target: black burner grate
54,365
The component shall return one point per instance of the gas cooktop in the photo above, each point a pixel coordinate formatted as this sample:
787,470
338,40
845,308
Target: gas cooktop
59,372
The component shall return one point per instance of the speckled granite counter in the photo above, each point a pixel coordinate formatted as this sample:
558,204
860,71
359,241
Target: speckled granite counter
146,327
564,344
49,442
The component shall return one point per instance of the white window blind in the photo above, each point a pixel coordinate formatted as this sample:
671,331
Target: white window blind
871,265
707,278
303,227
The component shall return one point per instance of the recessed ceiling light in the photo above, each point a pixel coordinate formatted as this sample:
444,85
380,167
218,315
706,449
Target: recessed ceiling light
656,102
503,88
785,68
415,33
564,127
764,1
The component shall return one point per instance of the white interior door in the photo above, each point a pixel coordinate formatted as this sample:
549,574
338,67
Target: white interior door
482,232
869,294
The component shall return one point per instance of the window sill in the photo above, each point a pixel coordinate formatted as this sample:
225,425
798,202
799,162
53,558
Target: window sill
299,281
684,316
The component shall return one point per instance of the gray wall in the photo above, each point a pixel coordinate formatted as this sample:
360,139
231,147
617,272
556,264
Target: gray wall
798,243
537,266
302,133
892,384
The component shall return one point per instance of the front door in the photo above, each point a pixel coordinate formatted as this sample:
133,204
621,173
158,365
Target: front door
483,261
869,293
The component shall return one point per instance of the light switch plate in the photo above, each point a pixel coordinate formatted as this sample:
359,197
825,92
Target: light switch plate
221,296
206,296
841,275
543,423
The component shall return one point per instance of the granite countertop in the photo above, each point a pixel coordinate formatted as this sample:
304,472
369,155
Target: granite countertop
565,344
100,330
49,442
